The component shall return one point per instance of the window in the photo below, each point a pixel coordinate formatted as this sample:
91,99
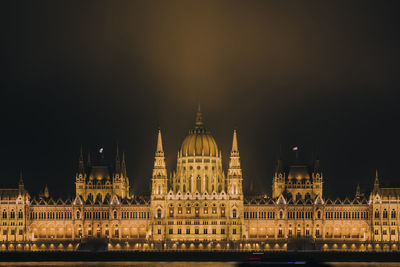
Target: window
393,232
20,214
205,231
159,213
317,233
179,210
171,211
222,231
179,231
376,232
205,210
234,215
171,231
4,214
159,231
234,231
214,231
196,231
188,210
393,214
376,214
188,231
115,214
319,215
280,214
384,214
12,214
280,233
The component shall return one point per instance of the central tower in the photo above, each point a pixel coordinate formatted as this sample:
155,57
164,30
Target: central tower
199,164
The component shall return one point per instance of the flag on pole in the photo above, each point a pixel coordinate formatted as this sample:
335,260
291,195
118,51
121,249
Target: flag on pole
295,148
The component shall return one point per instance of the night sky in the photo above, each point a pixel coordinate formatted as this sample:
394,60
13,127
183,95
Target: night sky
323,76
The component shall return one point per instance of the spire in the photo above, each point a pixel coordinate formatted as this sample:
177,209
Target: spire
159,149
358,191
123,165
199,117
117,161
376,183
234,143
21,182
46,192
89,162
81,163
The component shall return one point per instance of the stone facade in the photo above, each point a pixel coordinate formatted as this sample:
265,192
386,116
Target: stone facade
198,207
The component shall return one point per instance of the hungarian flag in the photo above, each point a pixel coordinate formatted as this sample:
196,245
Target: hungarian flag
295,148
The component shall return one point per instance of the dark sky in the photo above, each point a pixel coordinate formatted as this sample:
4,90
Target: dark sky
321,75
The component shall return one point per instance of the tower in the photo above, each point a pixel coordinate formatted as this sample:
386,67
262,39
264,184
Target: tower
80,177
235,179
278,181
159,178
317,179
158,204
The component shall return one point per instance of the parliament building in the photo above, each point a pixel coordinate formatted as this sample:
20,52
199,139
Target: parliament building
199,206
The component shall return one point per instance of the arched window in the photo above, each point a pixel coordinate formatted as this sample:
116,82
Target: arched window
377,214
12,214
234,215
20,214
384,214
115,214
159,190
98,198
319,214
308,196
298,196
78,214
184,188
393,214
280,214
4,214
159,213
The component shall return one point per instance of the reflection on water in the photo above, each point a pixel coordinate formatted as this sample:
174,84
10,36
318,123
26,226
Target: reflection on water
179,264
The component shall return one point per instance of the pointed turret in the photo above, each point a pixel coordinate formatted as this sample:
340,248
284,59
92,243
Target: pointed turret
234,143
159,149
89,162
235,179
123,165
376,182
81,168
199,117
159,179
358,191
20,183
117,161
46,192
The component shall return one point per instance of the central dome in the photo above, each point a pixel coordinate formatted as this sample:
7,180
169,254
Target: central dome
199,141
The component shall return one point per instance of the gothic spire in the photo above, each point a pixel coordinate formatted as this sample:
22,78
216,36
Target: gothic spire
117,161
234,143
81,163
376,183
123,165
159,149
21,182
358,191
159,160
199,117
89,162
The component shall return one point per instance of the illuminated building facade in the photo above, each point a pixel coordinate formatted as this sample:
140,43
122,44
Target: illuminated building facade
199,206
